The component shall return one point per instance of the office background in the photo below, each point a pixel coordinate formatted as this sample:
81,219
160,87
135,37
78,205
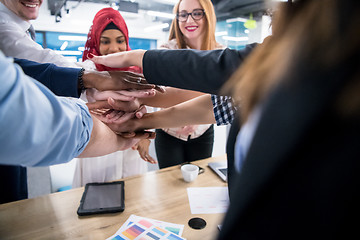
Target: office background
67,35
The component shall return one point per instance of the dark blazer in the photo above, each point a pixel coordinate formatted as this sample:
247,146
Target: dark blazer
61,81
300,178
204,71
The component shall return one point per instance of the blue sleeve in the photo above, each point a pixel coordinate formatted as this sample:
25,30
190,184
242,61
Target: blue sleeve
37,127
61,81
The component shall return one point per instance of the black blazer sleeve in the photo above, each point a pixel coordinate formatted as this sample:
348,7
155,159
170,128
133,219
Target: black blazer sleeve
60,80
204,71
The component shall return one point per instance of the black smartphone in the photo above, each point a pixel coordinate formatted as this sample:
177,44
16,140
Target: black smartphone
102,198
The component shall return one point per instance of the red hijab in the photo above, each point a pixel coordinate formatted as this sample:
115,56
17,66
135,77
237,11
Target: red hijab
101,20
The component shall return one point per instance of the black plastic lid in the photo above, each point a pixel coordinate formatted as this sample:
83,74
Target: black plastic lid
197,223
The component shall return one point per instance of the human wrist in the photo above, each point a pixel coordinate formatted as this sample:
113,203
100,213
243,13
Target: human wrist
80,81
89,79
135,57
148,121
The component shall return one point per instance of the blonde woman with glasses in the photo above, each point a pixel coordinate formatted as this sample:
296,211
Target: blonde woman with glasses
193,28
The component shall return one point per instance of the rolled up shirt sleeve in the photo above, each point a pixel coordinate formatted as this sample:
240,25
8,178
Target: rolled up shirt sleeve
37,127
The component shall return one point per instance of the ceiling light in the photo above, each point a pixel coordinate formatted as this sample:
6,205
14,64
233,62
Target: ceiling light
161,14
223,33
236,39
171,2
156,27
115,7
236,20
69,52
72,38
64,45
251,23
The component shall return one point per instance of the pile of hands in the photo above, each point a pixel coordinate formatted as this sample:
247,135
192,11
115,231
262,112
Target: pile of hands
116,101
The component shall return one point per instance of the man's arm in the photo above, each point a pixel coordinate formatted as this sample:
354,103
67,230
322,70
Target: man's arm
204,71
39,129
65,81
104,141
193,112
170,97
61,81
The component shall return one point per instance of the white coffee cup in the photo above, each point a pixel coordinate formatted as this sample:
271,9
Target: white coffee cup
189,172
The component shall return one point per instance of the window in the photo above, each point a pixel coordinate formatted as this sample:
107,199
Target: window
71,45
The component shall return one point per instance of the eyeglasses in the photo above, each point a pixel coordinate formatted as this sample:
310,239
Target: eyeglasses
196,14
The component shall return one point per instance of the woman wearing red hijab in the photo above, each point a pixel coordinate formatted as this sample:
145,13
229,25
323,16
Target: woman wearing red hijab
109,34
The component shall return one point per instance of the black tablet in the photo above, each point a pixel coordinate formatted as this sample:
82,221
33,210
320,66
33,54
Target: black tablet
102,198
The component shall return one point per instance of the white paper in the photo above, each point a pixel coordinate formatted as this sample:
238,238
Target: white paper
208,200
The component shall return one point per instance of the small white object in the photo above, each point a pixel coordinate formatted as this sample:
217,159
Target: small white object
189,172
208,200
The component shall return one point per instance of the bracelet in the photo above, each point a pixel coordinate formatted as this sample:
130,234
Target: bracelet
80,79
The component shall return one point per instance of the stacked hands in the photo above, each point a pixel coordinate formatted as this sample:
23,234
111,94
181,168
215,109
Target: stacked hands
117,103
117,99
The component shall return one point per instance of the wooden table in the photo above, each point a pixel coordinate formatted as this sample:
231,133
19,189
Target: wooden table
160,195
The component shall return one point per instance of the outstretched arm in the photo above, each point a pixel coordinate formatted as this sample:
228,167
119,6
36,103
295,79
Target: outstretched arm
55,129
121,59
104,141
193,112
204,71
170,97
64,81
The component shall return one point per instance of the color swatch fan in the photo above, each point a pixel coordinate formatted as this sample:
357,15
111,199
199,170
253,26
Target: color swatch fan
140,228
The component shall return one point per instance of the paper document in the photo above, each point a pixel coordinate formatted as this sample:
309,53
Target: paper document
140,228
206,200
